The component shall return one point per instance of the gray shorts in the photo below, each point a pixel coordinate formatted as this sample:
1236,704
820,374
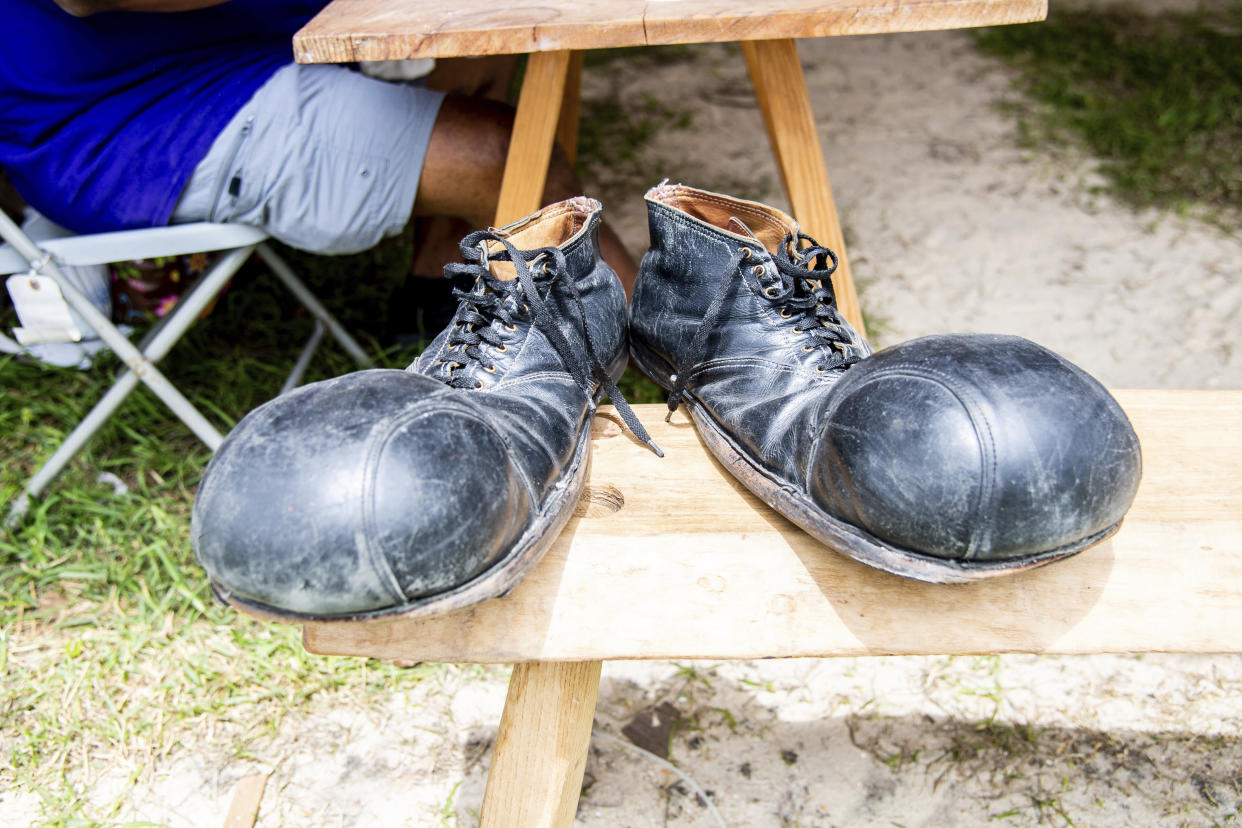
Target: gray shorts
322,158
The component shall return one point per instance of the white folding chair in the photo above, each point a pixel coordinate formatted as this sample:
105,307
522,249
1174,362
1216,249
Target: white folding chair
63,248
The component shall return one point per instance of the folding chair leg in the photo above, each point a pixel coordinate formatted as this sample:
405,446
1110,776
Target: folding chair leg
286,275
142,364
308,350
141,368
86,429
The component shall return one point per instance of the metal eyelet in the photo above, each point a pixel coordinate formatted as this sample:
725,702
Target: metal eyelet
757,270
808,348
785,314
769,292
510,327
798,330
478,385
525,308
502,349
491,369
546,269
819,369
745,253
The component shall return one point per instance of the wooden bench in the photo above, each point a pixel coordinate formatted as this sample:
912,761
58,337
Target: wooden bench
673,558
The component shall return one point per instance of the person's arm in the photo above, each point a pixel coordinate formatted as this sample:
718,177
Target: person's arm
84,8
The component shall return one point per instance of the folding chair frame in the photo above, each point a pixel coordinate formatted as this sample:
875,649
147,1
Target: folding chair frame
238,240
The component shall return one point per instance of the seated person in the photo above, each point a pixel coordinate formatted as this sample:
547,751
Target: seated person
115,117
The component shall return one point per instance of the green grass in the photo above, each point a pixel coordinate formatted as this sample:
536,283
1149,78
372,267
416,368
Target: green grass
613,129
112,651
1157,99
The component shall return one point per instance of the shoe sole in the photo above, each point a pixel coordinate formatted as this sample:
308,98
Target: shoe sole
842,537
494,582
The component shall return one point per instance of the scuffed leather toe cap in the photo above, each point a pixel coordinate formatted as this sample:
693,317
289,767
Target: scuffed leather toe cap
356,495
974,448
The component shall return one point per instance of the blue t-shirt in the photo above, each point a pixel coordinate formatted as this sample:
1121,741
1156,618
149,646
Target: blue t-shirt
103,118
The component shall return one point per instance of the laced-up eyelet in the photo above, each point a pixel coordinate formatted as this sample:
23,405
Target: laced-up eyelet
478,385
745,253
509,327
819,369
807,348
491,369
547,270
757,270
525,308
785,314
798,330
502,349
770,291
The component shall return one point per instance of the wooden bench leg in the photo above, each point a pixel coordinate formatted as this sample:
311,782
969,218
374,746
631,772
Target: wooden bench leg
541,748
534,131
571,105
780,88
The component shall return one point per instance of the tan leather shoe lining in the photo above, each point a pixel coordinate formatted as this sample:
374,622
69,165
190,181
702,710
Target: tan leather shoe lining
553,226
769,226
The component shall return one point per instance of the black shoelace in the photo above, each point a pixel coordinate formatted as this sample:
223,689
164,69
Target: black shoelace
802,290
505,301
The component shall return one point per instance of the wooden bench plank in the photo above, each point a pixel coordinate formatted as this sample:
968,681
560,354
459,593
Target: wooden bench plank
693,566
349,30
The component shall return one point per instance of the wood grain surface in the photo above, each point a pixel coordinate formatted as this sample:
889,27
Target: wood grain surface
349,30
541,746
672,558
535,125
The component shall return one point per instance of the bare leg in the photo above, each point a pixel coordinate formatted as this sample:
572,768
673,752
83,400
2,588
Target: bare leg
465,163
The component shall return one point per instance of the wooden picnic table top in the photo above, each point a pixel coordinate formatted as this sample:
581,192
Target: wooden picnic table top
350,30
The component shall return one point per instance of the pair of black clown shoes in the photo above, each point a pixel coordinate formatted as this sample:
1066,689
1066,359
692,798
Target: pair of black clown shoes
385,492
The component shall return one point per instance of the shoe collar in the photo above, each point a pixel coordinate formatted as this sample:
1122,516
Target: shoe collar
736,218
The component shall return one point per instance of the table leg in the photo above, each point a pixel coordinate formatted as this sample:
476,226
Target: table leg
534,131
541,747
567,126
780,88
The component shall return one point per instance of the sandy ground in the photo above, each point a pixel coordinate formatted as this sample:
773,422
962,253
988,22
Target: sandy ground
951,228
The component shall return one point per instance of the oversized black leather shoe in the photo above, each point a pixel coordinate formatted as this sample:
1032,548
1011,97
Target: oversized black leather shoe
415,492
945,459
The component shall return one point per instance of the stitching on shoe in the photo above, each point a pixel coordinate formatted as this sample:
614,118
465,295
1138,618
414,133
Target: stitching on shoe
528,378
740,362
375,448
987,442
